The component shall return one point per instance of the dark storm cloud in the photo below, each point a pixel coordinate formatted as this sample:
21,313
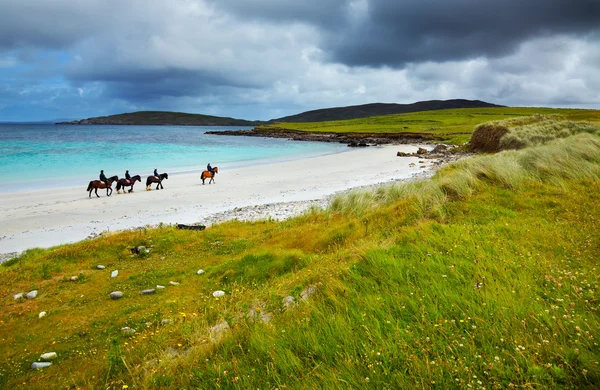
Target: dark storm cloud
50,25
398,32
234,57
321,12
146,86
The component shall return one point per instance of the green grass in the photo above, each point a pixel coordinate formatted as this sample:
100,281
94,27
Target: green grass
484,276
451,126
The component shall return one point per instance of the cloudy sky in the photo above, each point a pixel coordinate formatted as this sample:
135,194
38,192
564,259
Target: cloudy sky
262,59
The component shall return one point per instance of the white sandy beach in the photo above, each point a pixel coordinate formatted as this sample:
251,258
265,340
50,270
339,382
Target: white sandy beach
44,218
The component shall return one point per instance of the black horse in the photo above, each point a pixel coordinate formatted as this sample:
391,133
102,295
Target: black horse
95,184
127,183
153,179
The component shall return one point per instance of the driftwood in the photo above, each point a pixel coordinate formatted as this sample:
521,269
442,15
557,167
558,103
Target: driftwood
190,227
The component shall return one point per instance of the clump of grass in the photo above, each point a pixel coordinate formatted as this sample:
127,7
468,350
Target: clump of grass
518,133
576,157
545,131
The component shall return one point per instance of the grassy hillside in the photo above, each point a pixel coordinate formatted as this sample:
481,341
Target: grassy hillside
375,109
485,276
452,126
164,118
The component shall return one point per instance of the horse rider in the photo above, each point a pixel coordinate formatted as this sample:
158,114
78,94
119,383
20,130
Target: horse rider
156,174
103,177
128,176
210,169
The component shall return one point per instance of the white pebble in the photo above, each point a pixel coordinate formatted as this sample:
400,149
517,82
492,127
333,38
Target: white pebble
48,356
159,286
32,294
42,314
128,331
174,283
18,296
37,365
218,293
114,274
100,267
200,272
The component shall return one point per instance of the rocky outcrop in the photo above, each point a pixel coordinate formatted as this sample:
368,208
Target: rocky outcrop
351,139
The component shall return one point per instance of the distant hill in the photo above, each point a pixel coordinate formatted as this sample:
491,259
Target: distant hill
163,118
373,109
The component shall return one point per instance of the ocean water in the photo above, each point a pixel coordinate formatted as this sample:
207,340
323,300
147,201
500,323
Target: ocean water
45,156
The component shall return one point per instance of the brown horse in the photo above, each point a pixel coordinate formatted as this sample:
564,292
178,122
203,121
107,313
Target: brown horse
122,183
95,184
154,179
208,174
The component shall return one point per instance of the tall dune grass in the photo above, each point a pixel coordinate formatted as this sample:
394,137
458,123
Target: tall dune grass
518,133
577,157
542,132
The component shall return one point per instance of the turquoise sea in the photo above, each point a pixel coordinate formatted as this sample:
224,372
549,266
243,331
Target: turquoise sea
41,156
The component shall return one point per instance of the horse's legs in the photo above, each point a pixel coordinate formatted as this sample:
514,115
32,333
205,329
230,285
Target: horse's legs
96,191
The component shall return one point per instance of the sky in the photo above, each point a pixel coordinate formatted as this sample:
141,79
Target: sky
264,59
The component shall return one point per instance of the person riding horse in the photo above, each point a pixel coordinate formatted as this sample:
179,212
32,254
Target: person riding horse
128,176
210,169
103,177
156,174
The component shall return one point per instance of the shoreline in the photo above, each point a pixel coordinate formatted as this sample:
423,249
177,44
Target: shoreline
35,219
351,139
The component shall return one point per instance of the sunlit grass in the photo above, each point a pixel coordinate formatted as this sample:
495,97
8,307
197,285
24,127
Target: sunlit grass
451,126
484,276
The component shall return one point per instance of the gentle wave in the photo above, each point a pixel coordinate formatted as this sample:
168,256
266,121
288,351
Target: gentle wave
42,156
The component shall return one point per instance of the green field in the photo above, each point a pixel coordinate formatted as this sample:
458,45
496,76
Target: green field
451,126
485,276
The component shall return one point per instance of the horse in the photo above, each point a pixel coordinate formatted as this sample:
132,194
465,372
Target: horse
122,183
95,184
153,179
208,174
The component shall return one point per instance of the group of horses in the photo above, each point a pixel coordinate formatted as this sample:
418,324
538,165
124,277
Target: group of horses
122,183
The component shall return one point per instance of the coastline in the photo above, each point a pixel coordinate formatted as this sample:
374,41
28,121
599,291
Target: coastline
351,139
279,190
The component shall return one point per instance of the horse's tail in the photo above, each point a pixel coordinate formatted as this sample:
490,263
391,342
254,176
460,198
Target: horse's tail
119,186
89,186
148,181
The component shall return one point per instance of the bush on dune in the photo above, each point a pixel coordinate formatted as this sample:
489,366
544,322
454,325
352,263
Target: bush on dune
518,133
